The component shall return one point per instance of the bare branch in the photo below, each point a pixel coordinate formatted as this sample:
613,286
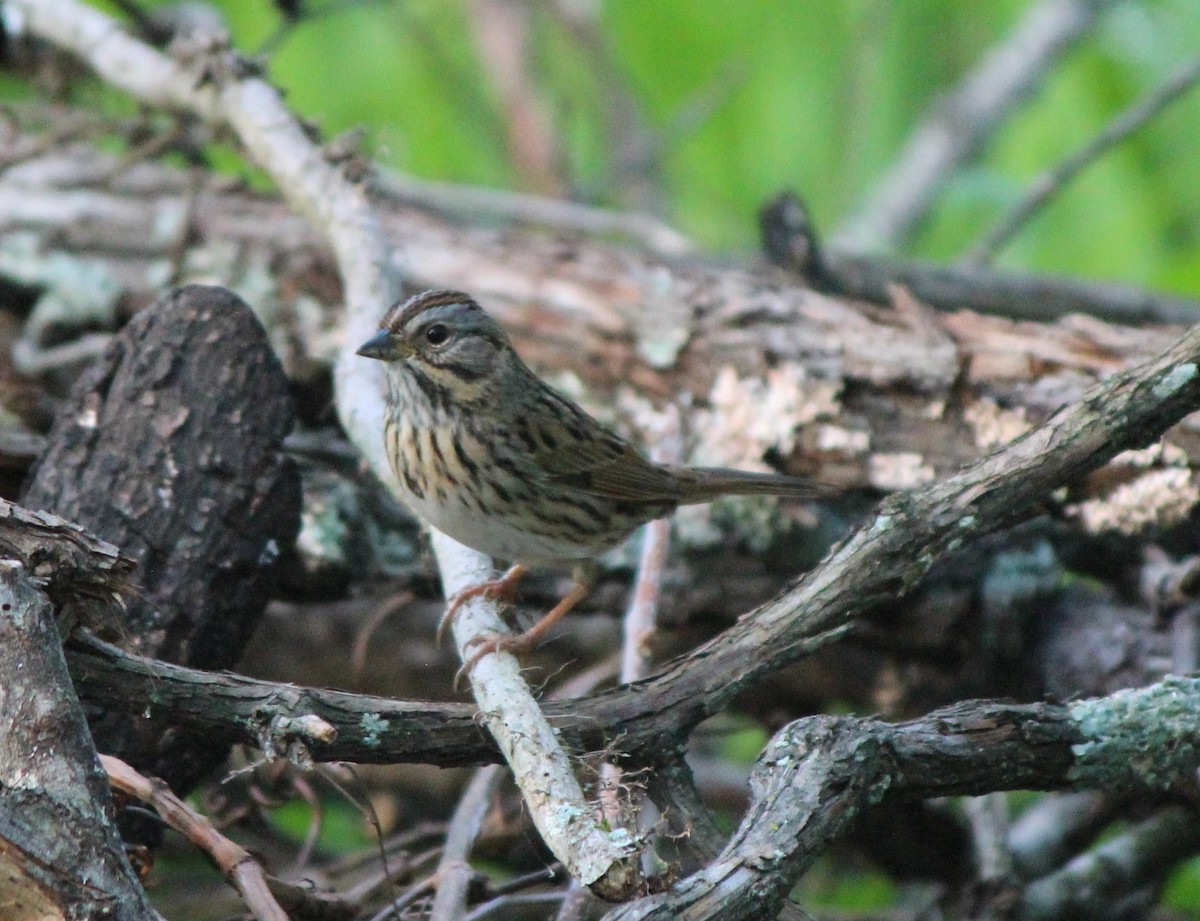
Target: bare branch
1136,859
224,89
791,241
234,861
454,873
960,124
535,209
71,561
1051,183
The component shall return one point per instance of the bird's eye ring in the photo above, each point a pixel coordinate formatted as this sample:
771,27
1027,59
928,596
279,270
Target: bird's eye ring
437,334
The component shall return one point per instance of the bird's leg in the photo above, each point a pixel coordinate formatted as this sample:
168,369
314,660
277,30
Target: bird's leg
503,588
584,574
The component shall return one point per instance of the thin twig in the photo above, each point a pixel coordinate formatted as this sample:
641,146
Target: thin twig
411,894
1093,882
454,873
988,817
232,95
540,764
233,860
362,637
633,149
641,618
404,872
534,209
523,898
501,31
1055,828
1051,183
958,125
76,125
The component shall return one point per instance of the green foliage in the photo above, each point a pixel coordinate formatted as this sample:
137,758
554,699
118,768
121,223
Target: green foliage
831,886
1182,891
743,744
728,103
343,826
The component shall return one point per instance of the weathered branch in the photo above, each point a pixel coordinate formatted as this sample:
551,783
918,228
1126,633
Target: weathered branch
71,562
263,894
791,241
222,88
1100,883
829,360
60,854
818,774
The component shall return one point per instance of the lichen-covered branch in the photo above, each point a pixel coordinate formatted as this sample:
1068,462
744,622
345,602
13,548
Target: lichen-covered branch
818,774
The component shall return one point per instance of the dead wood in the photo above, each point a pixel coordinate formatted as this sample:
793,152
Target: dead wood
169,447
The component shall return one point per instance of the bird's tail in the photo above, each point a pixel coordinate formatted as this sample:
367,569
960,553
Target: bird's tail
703,484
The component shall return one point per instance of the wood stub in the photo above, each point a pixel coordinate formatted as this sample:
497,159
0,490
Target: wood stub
170,448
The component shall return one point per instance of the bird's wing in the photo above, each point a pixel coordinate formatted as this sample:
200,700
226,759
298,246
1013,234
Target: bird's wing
574,449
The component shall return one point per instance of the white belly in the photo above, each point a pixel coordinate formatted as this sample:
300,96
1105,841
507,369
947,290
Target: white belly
491,534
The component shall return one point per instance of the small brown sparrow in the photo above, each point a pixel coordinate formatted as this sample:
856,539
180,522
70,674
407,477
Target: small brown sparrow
490,455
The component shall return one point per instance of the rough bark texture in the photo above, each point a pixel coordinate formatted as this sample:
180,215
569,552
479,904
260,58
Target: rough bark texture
888,395
859,394
817,775
72,563
60,856
170,448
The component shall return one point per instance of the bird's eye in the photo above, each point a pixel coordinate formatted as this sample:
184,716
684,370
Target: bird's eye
437,334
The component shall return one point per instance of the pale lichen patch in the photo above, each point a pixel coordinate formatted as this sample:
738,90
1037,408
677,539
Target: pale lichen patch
750,416
1156,455
1159,498
994,426
899,470
373,726
837,439
1176,378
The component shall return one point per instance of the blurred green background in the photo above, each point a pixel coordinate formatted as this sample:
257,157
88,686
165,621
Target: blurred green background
698,110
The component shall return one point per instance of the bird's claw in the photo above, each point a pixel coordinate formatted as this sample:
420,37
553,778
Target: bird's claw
490,643
502,589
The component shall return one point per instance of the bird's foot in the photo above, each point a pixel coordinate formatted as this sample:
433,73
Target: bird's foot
523,643
502,589
520,645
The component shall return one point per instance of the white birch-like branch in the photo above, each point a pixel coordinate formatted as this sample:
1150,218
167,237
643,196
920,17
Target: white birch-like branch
221,89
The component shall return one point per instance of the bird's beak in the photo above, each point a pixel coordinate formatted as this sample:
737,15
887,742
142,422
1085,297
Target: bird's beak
380,346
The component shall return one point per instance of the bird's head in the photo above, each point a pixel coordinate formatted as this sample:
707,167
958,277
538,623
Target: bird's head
443,335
